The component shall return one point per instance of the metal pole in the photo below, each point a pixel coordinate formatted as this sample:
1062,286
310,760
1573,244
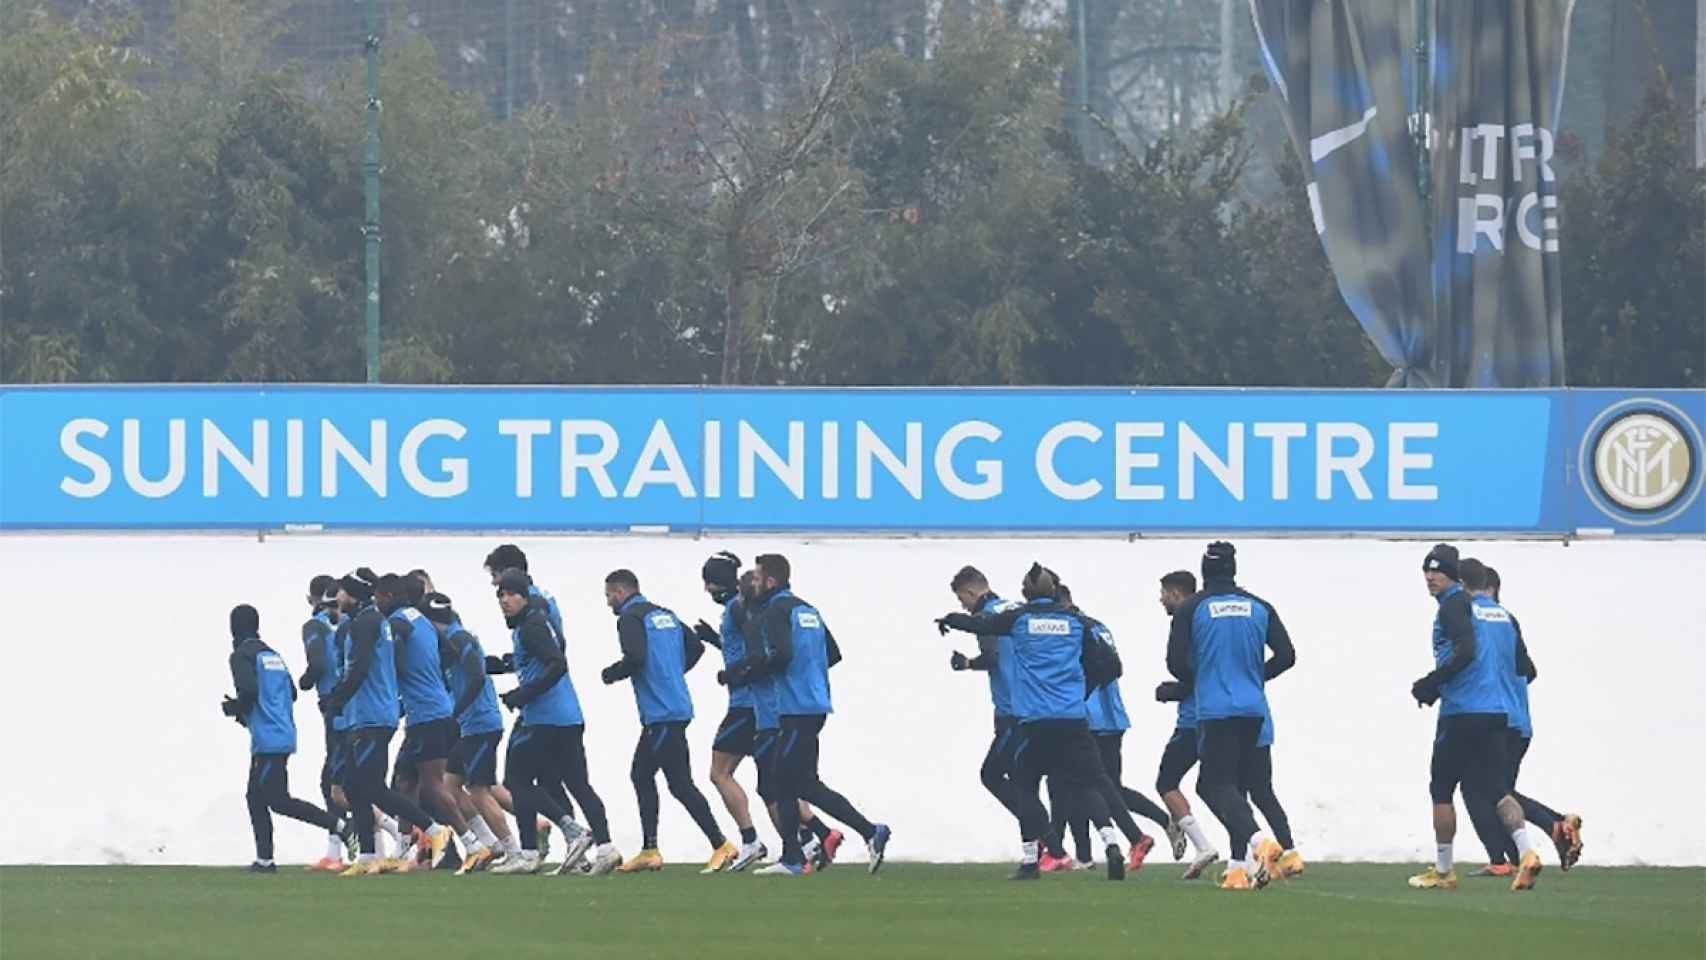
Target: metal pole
509,59
1699,84
1423,107
370,167
1083,83
1225,66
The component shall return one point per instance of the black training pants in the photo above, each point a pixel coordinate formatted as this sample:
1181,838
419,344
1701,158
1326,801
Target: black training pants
796,776
1230,758
997,770
269,793
1119,798
366,788
663,746
1483,810
540,755
1063,751
1260,790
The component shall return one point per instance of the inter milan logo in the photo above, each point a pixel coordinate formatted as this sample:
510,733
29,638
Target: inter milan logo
1642,461
1644,466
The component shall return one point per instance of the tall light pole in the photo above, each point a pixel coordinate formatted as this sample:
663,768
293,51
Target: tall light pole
1700,85
1083,80
370,167
509,59
1224,81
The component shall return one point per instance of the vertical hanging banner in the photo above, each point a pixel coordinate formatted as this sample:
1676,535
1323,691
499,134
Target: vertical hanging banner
1340,68
1497,87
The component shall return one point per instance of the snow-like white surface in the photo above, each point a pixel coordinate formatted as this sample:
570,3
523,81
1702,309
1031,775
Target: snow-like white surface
115,750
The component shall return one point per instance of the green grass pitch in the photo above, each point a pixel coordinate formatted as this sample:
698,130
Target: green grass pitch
910,910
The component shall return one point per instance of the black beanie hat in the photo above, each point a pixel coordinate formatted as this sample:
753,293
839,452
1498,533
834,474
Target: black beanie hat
722,570
437,608
1443,557
1219,561
358,583
245,622
514,581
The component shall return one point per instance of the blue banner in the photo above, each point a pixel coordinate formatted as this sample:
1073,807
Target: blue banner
970,460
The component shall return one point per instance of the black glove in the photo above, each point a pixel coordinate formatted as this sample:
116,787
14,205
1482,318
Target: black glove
330,707
958,661
1169,691
230,708
1426,691
303,683
611,674
942,626
722,678
512,698
707,635
503,664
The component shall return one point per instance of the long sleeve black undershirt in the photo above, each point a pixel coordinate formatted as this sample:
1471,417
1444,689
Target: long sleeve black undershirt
1456,623
1180,651
537,640
1279,641
314,645
988,654
630,635
831,649
244,679
1524,663
363,640
467,653
984,624
778,638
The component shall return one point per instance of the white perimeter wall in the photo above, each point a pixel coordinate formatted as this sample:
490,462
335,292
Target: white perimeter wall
115,749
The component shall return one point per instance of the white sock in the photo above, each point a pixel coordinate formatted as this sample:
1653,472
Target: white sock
570,828
1519,836
367,858
1110,836
1029,854
471,841
1442,859
484,832
264,863
607,849
392,829
334,847
512,845
1193,830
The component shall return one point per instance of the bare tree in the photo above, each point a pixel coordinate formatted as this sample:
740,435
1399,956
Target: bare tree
768,213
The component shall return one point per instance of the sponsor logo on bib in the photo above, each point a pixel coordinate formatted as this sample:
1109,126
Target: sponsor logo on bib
1492,614
1229,608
